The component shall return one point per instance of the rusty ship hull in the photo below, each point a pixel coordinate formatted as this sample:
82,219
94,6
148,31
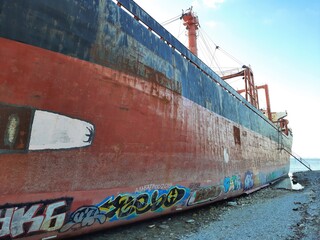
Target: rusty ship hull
106,119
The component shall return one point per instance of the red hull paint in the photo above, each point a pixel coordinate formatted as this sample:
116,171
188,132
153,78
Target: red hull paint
144,134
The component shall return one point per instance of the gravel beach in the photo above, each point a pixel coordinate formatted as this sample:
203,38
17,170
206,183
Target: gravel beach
275,212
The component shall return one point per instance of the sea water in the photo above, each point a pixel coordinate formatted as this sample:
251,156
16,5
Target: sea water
296,166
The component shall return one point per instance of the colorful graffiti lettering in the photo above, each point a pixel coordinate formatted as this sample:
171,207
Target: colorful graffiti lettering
85,216
248,180
236,180
204,195
125,206
232,184
21,220
226,184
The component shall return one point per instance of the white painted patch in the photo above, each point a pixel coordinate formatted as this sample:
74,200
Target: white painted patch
226,155
55,131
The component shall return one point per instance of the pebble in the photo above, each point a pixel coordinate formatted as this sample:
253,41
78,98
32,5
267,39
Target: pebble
190,221
232,204
151,226
301,225
162,226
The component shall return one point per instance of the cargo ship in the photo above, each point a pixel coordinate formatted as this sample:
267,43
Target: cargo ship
107,119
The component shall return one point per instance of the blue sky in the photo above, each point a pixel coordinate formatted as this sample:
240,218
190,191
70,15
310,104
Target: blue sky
280,39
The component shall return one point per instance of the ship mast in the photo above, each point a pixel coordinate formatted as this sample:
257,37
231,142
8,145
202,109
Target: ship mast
192,24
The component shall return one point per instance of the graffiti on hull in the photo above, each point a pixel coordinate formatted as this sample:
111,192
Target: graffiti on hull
22,220
232,183
248,180
204,194
84,216
126,206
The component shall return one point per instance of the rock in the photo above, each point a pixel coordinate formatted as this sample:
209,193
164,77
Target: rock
301,225
190,221
162,226
151,226
232,204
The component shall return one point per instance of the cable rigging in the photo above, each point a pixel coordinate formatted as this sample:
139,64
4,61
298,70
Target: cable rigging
217,47
171,20
208,47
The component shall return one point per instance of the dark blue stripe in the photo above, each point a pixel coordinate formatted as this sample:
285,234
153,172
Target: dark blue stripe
64,26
